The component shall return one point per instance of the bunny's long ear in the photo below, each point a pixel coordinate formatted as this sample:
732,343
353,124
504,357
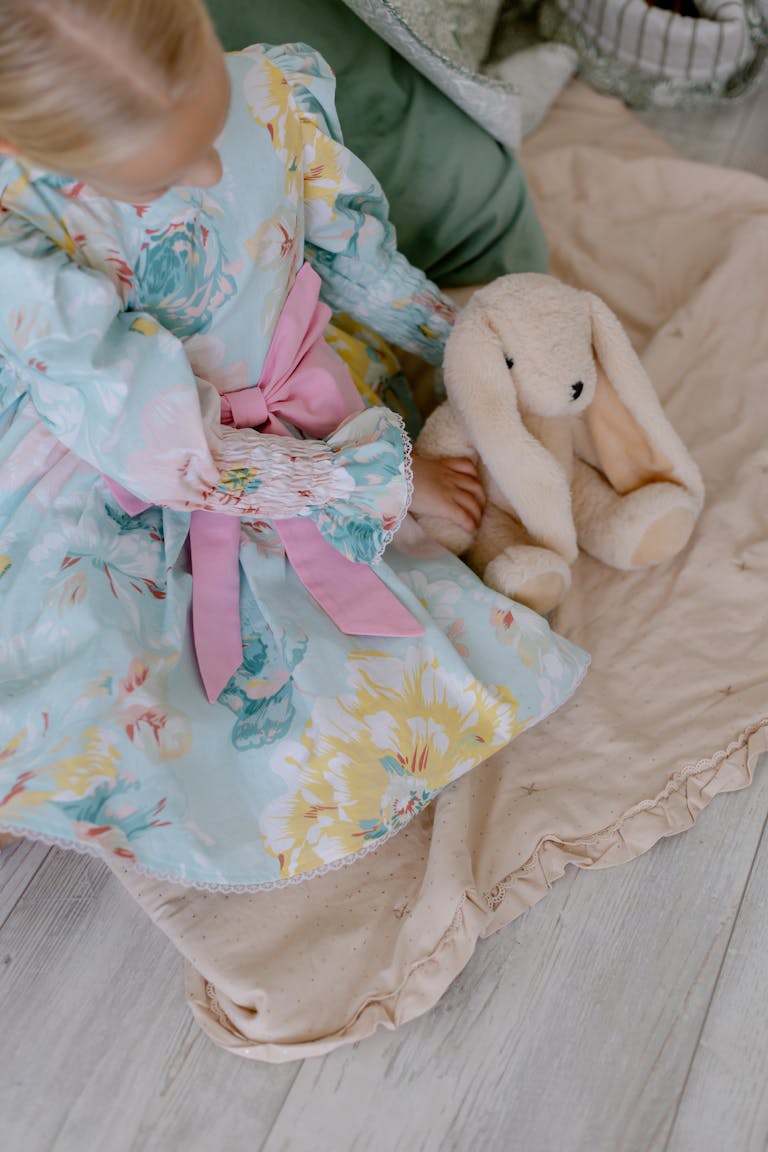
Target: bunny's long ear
483,395
631,439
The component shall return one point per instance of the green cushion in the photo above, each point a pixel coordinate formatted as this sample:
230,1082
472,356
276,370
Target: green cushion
457,197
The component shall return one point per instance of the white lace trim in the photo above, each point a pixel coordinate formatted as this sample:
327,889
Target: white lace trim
390,533
171,877
494,897
213,1004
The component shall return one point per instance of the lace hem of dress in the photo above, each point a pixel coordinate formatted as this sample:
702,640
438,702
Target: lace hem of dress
83,849
390,533
493,897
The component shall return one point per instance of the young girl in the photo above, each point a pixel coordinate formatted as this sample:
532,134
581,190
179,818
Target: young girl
179,429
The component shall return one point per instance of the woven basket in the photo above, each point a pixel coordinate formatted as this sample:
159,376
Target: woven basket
650,55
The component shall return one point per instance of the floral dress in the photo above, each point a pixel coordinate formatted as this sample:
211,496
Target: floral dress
121,327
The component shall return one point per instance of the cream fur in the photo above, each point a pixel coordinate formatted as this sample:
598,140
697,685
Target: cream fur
604,467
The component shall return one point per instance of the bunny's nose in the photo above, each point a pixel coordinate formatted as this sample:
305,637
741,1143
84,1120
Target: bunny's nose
576,390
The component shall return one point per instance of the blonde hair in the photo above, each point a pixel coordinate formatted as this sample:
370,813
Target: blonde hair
87,81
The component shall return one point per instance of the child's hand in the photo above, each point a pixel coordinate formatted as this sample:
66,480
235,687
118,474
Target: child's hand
448,488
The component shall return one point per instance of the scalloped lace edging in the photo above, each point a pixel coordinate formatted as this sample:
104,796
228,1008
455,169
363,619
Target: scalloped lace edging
213,1003
389,534
495,896
169,877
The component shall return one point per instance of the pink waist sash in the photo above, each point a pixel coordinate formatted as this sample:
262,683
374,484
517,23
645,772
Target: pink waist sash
308,387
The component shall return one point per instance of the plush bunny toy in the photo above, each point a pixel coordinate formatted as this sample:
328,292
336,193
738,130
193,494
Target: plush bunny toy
547,394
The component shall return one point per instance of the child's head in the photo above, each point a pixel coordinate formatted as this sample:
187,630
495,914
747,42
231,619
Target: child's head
125,95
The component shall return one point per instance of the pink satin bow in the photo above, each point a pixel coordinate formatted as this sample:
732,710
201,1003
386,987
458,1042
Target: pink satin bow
306,385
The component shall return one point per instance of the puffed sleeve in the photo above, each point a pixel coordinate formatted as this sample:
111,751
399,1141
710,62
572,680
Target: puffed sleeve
117,389
349,238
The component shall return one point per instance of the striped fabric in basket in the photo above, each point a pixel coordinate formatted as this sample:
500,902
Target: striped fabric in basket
653,55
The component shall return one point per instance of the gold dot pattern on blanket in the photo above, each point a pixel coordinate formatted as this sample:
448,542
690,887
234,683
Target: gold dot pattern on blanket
672,712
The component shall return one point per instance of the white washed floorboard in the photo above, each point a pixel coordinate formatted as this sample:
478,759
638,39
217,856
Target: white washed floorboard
725,1102
98,1048
571,1030
18,864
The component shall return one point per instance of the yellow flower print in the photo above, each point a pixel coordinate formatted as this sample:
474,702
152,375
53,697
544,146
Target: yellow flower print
504,625
145,327
269,99
75,776
55,226
18,795
161,733
531,642
12,196
322,169
5,563
357,358
68,778
13,745
238,479
274,241
71,593
268,94
370,760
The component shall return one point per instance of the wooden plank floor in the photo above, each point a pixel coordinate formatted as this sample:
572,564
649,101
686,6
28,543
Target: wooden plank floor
625,1013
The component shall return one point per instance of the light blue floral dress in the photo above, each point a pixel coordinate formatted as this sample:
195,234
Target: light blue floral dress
120,326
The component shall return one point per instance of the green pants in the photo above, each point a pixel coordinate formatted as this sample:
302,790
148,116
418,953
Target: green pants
457,197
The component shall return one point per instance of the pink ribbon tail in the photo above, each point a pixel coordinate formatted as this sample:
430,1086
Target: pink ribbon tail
358,602
214,544
127,501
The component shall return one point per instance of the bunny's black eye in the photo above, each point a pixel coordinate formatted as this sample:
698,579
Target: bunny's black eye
576,390
510,362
